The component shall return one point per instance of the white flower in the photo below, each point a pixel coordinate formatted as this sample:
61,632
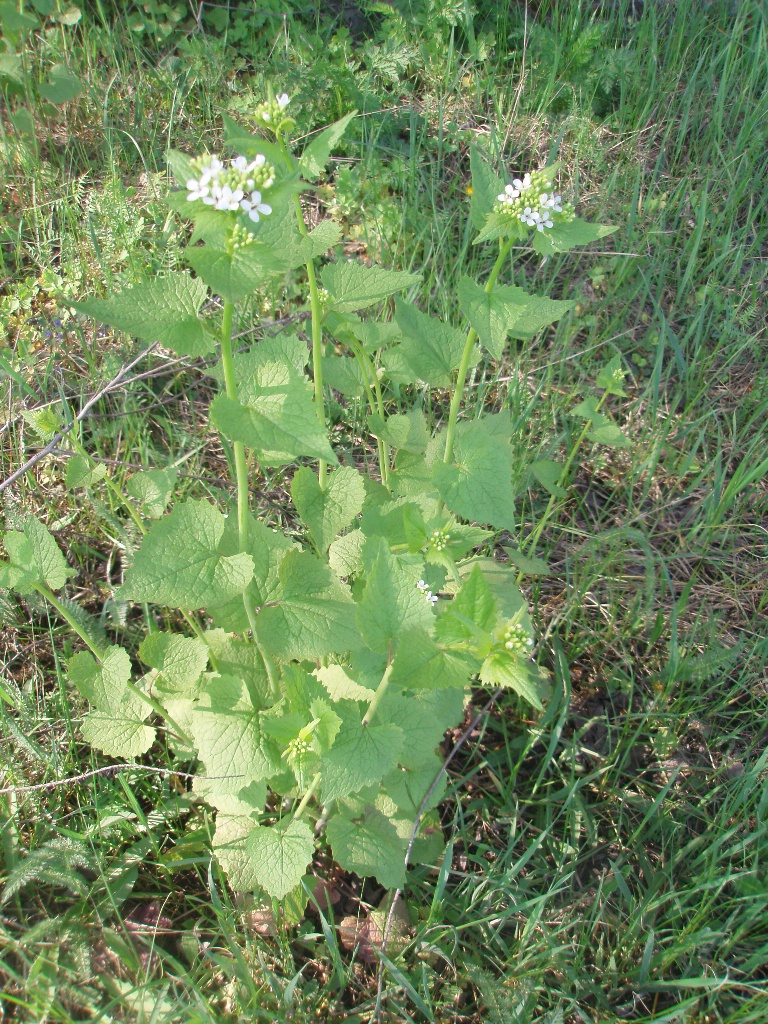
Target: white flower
240,164
528,217
543,220
265,116
422,585
197,190
229,200
283,100
259,160
551,202
253,206
524,184
509,194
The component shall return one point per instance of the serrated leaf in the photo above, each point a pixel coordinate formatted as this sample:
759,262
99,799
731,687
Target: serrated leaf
603,431
279,855
431,349
420,663
407,787
537,313
506,669
477,484
227,731
340,685
345,555
35,557
525,563
392,603
374,335
164,309
244,660
180,660
314,159
277,416
116,726
423,718
267,547
486,186
361,755
343,374
314,613
153,489
548,474
611,377
568,235
179,562
80,473
501,579
368,845
472,612
235,274
62,85
353,286
408,431
327,511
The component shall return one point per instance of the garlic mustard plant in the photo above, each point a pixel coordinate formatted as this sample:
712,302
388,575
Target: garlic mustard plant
324,670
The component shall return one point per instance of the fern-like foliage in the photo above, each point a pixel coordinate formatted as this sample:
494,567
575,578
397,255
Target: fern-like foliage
60,862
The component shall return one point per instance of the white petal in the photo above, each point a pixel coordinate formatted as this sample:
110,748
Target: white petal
284,100
237,195
265,116
254,215
255,198
209,200
263,208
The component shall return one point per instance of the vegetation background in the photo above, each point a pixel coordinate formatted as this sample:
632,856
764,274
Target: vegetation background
607,861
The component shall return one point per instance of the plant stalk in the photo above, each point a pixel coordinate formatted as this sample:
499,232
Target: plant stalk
307,797
466,355
377,698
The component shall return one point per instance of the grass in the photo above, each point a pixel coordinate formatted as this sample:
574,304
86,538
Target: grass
608,860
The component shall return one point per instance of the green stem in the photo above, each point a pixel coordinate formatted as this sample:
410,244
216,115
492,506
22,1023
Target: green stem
533,539
307,797
238,448
381,689
317,317
158,708
466,355
64,612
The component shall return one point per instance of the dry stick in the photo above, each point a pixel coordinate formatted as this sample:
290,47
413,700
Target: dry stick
113,769
414,832
80,416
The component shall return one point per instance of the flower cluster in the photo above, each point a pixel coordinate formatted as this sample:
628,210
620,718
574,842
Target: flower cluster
270,113
233,187
531,201
439,539
240,237
517,639
430,597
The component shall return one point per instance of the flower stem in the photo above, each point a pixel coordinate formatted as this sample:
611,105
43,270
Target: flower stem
466,355
238,448
317,316
381,689
72,622
307,797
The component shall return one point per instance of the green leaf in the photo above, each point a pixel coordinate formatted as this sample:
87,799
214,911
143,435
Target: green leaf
80,473
423,718
62,85
277,417
536,313
420,663
340,685
314,159
314,616
164,309
361,755
153,489
530,566
486,186
267,548
244,660
548,474
179,563
392,602
346,554
407,787
116,726
343,374
34,558
501,579
473,611
14,24
611,378
477,485
233,275
407,431
353,286
327,511
374,335
503,668
279,855
488,314
568,235
368,844
603,431
227,731
430,349
180,660
243,142
11,67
